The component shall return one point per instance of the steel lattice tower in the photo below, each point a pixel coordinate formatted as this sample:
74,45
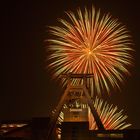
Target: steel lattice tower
71,89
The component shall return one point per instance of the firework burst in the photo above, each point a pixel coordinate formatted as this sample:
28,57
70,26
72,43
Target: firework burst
111,118
91,43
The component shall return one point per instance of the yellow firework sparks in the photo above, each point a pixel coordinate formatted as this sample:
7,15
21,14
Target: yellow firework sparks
111,118
90,43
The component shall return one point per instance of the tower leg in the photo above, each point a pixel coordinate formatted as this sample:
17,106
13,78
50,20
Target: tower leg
53,121
93,110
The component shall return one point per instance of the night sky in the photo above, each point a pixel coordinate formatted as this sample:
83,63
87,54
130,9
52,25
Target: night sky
26,87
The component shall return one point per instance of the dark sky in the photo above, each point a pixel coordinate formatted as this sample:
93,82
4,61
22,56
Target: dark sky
26,88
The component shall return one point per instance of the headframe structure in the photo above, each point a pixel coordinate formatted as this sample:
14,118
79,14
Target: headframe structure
71,87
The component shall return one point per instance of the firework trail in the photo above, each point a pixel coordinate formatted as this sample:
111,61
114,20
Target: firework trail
111,118
90,43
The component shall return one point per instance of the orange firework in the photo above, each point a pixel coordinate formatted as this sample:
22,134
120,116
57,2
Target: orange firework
90,43
111,118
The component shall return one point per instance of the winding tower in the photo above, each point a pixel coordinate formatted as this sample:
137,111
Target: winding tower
74,102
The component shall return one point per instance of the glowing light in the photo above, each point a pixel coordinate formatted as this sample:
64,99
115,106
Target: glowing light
90,43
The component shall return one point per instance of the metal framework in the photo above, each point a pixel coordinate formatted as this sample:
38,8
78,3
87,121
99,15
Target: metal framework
82,87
